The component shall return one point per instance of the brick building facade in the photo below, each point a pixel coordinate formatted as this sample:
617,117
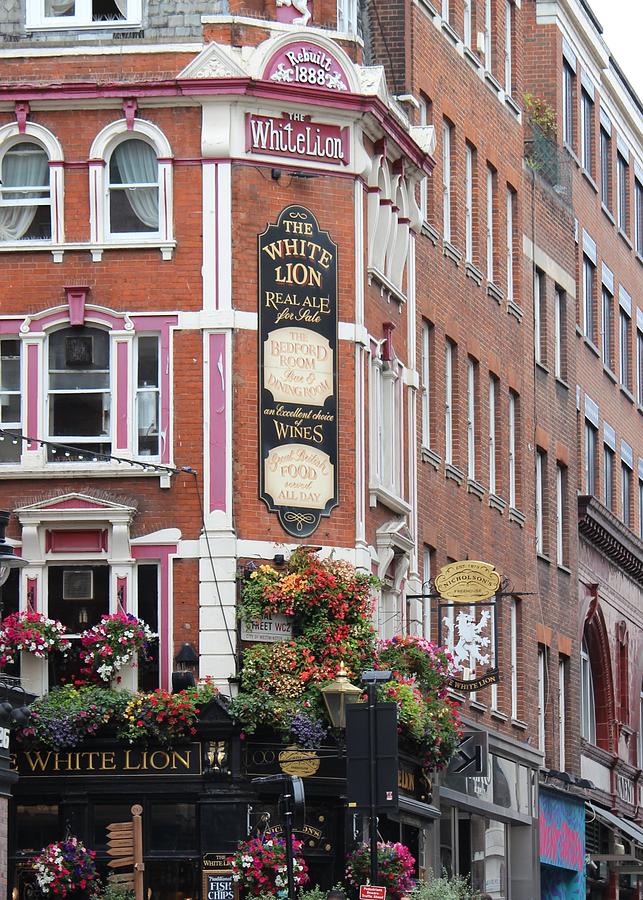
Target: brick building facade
469,364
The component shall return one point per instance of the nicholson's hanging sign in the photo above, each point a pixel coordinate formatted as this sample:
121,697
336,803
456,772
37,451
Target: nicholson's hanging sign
468,592
298,370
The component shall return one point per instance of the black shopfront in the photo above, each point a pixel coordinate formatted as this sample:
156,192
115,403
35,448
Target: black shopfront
198,803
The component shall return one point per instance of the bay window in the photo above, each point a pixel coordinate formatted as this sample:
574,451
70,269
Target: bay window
79,394
10,400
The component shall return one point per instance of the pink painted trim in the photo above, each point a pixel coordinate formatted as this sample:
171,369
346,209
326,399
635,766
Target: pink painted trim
129,111
280,56
216,238
166,216
10,326
98,163
22,111
32,394
32,594
76,298
73,503
161,554
59,317
218,417
153,322
121,593
121,395
85,541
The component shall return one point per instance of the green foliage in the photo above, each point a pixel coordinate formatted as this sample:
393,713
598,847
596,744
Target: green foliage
541,114
453,887
112,891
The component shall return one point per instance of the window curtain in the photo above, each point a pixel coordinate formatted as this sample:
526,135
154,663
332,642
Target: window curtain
137,164
121,6
60,7
26,169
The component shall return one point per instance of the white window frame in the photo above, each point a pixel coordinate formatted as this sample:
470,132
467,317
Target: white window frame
490,247
639,366
560,515
487,35
588,703
608,477
347,16
444,10
15,426
559,330
624,348
589,277
562,714
386,418
586,147
604,150
607,316
638,216
538,318
468,203
103,146
467,29
446,180
425,387
426,601
508,47
540,500
140,391
542,696
513,632
510,245
626,494
9,136
622,168
471,418
448,402
568,104
512,449
591,440
424,183
82,18
492,435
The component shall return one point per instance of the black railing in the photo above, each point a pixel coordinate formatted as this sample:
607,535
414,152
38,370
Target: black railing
552,163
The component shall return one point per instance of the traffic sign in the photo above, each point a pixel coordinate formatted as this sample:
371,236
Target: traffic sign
372,892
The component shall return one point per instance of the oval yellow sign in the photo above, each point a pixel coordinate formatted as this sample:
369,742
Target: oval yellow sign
296,761
467,581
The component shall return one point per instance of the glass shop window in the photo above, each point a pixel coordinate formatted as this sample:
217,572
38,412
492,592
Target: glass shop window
78,597
172,879
106,813
148,610
172,827
483,853
9,602
36,825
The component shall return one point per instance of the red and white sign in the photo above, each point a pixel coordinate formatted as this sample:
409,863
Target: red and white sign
305,63
371,892
297,138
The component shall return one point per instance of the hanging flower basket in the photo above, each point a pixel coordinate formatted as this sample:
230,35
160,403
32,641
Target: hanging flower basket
31,632
395,867
64,867
259,867
116,640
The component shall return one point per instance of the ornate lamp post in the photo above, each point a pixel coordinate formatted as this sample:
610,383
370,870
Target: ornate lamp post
337,695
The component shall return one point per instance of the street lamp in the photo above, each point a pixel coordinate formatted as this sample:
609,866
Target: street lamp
337,695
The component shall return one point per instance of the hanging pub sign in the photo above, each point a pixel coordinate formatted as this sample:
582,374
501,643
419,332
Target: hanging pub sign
296,137
467,623
298,448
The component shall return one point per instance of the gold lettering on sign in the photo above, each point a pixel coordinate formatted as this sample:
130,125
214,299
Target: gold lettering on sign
299,475
298,365
406,780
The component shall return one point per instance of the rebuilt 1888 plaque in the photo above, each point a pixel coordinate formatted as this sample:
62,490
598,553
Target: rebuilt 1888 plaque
298,370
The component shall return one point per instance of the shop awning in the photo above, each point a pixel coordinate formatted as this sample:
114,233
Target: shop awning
425,810
631,829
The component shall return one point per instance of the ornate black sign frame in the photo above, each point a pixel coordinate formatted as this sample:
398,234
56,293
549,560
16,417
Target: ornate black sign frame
298,396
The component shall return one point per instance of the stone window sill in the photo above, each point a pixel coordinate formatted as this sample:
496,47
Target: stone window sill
473,272
431,457
451,252
454,473
496,502
494,291
516,516
514,310
587,176
609,215
474,487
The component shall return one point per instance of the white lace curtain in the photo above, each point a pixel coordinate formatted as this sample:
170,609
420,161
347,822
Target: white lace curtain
68,7
138,165
25,165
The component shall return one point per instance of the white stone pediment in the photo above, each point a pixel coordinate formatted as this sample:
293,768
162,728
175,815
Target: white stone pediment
215,61
73,502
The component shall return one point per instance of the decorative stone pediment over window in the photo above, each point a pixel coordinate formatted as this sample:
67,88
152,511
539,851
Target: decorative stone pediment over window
213,62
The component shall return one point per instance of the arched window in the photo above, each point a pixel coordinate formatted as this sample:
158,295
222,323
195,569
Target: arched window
25,196
588,705
79,392
133,188
31,186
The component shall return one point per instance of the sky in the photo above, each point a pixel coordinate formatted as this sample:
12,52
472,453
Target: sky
622,22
